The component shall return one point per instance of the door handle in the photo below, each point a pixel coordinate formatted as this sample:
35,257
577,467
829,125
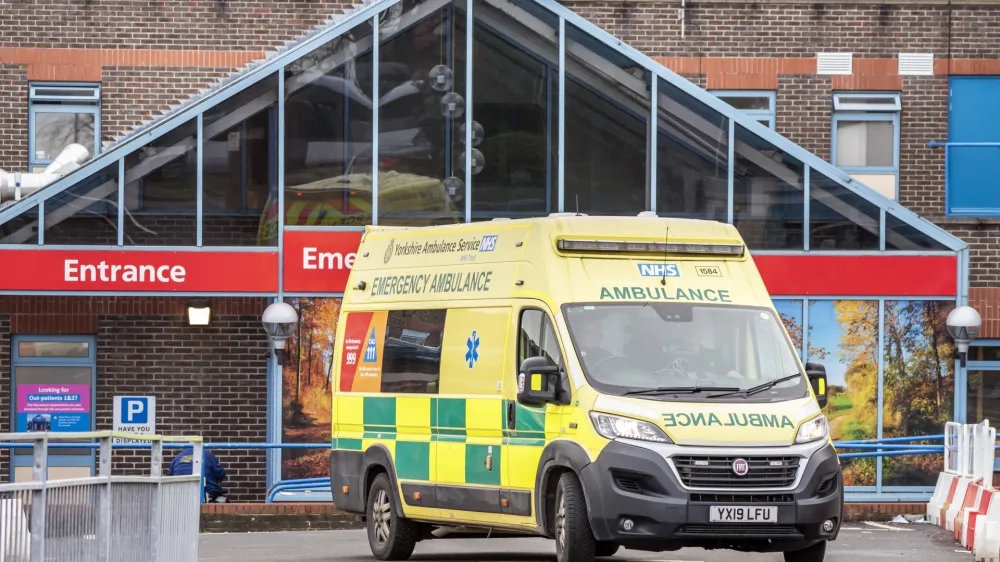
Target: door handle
511,415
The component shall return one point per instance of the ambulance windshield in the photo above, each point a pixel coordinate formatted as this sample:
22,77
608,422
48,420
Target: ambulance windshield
628,348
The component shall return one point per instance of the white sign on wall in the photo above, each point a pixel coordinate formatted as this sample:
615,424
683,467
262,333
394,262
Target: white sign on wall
134,414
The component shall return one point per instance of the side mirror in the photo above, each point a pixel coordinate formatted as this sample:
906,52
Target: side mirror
817,377
537,382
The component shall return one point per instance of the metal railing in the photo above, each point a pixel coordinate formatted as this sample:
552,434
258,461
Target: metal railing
102,518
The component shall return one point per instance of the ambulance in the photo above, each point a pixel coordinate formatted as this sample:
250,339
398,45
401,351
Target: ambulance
606,382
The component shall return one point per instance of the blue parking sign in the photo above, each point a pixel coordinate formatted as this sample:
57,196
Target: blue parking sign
135,409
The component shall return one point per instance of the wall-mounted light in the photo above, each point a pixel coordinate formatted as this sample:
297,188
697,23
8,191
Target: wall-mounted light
199,312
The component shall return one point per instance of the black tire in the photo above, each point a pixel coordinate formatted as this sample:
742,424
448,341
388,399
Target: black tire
604,549
815,553
574,538
390,537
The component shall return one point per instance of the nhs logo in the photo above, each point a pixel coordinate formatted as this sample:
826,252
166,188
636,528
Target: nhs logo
659,270
488,244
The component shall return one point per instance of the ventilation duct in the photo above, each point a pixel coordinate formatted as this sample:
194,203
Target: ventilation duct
16,185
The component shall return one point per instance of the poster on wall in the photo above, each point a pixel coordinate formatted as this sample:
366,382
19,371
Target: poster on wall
843,336
53,407
307,387
918,388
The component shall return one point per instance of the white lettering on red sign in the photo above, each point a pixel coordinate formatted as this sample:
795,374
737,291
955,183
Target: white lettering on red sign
314,259
73,271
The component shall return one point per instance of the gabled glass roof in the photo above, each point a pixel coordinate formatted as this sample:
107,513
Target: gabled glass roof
415,112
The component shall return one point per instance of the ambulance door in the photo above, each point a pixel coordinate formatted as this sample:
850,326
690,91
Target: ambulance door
468,422
525,435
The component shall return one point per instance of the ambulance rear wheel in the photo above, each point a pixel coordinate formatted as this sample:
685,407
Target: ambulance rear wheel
574,538
390,537
815,553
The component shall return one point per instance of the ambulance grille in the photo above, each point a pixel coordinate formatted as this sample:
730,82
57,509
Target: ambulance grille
717,472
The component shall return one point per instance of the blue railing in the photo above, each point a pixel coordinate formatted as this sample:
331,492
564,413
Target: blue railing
318,489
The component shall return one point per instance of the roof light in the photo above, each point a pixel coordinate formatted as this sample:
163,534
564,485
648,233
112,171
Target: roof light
625,247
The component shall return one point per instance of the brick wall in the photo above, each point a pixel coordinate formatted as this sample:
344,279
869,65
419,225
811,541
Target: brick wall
209,381
159,24
13,117
131,95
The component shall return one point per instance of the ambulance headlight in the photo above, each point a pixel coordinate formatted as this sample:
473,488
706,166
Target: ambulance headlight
618,427
813,430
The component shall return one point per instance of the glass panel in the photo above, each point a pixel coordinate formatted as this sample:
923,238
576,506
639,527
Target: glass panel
865,143
328,135
745,103
918,392
53,398
901,236
843,336
53,349
692,162
240,166
54,131
515,105
411,358
307,400
840,219
161,190
984,353
86,213
84,94
607,111
422,108
790,312
984,396
21,229
768,186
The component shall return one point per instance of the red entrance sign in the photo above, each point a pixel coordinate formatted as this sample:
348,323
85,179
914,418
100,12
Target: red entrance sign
139,271
317,261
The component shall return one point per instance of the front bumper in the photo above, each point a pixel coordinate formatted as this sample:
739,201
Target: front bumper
636,499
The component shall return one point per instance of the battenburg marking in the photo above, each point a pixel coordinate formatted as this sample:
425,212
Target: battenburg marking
665,294
732,420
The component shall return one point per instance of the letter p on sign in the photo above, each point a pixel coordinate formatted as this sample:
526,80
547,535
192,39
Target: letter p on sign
136,410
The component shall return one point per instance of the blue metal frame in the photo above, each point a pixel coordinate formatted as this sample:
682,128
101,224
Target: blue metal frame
71,104
768,116
17,361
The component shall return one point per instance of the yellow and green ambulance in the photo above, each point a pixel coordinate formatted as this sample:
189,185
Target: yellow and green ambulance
603,381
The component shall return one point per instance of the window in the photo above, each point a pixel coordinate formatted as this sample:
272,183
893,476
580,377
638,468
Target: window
756,104
538,338
412,353
52,389
60,115
866,139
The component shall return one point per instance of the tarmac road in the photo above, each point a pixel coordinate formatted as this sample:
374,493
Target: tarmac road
858,541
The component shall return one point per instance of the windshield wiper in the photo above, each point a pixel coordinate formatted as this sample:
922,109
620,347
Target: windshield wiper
759,388
682,389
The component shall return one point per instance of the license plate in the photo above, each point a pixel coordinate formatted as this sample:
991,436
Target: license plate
743,514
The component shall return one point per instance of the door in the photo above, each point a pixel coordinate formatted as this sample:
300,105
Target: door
52,389
525,435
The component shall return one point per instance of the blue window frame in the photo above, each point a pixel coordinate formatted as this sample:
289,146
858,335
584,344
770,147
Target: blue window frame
41,362
866,139
758,104
972,153
60,114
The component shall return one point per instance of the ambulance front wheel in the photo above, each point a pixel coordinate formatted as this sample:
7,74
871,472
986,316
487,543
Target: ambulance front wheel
815,553
574,538
390,537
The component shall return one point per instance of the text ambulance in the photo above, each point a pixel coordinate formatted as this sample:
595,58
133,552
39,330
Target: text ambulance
606,382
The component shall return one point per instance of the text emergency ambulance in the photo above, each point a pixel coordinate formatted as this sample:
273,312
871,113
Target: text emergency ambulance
604,381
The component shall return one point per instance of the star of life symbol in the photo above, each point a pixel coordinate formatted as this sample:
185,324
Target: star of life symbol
472,347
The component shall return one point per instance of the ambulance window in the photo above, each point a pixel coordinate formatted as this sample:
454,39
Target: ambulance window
538,338
412,354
